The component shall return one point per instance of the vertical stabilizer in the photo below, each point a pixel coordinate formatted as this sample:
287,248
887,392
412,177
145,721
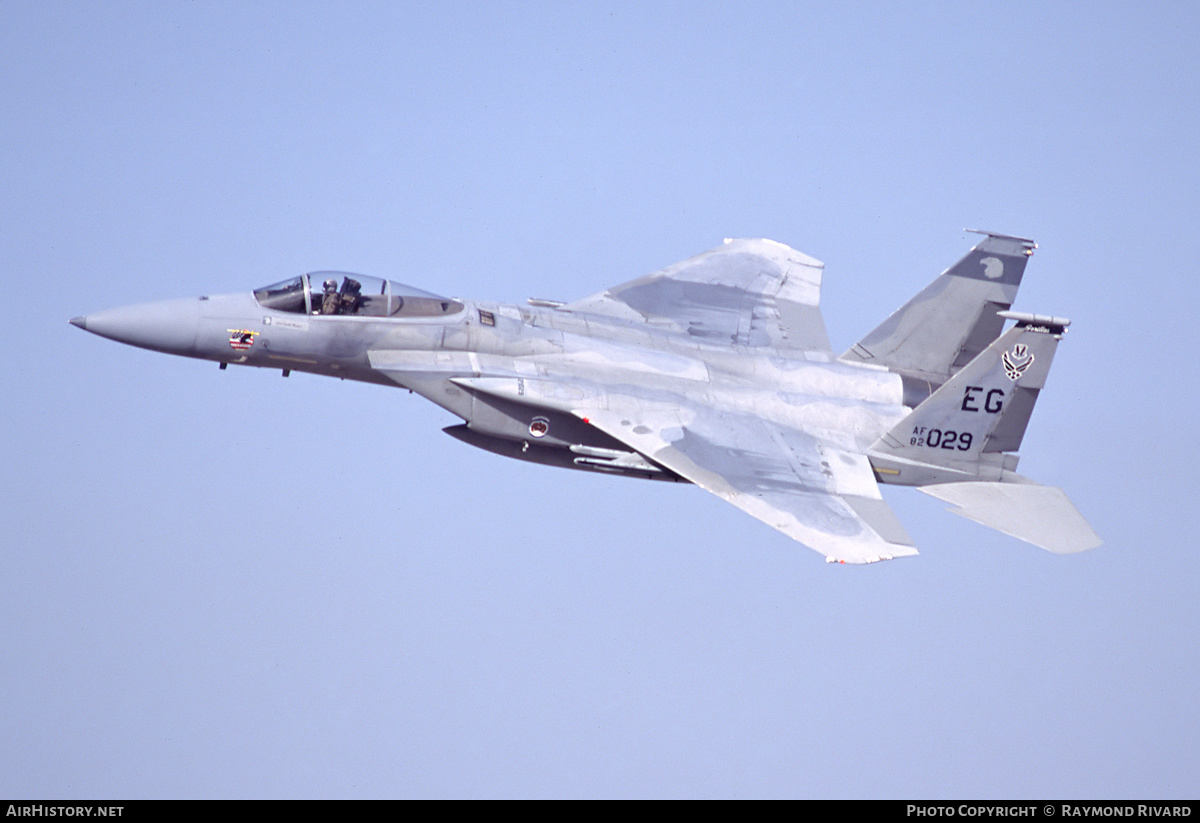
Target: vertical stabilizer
962,431
954,318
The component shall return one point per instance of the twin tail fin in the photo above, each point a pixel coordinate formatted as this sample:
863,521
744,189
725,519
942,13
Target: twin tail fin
953,319
958,445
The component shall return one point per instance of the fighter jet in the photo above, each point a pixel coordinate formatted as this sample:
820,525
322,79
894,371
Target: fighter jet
715,371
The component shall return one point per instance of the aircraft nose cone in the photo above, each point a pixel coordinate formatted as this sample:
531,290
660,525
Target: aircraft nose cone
166,326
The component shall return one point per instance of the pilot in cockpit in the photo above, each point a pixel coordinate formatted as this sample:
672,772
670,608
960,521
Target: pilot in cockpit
331,301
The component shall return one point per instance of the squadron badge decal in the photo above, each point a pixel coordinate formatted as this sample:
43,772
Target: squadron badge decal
241,339
1016,361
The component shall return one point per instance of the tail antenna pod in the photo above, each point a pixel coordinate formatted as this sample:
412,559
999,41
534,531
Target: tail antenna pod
1036,322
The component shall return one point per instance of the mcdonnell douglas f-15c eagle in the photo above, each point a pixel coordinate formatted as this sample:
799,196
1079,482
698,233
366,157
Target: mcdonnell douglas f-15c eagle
715,371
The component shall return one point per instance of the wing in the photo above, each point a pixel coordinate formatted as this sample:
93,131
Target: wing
745,293
811,489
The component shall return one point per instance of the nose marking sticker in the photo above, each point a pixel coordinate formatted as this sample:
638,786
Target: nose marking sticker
241,339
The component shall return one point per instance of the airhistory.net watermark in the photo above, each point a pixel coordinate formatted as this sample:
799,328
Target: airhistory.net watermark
43,810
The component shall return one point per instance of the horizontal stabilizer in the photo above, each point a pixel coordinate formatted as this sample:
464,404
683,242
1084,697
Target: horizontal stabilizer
1041,515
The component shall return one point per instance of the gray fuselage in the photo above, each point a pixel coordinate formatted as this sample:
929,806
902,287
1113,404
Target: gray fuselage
849,404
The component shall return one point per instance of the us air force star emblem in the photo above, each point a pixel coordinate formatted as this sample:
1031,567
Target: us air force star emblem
992,267
1016,361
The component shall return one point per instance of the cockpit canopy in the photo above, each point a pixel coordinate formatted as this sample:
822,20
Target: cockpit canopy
343,293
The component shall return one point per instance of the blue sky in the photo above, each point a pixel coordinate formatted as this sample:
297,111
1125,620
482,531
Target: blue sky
227,584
